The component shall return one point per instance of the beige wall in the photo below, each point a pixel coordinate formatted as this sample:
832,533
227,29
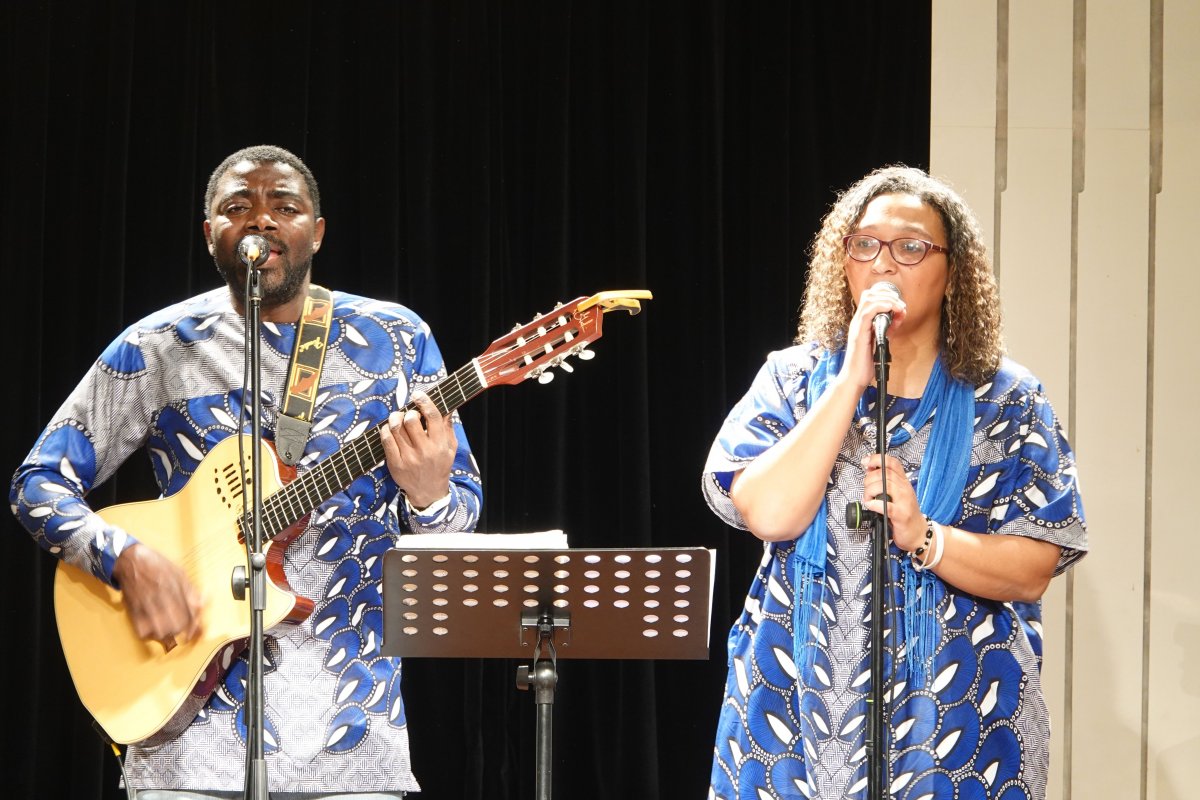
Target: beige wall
1073,129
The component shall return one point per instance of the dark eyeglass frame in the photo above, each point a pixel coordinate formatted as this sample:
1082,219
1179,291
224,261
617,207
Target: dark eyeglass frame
930,247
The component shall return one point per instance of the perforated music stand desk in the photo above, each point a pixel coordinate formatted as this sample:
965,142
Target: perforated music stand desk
627,603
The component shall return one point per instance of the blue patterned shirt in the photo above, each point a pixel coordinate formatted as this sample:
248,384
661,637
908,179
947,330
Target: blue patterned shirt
979,727
172,385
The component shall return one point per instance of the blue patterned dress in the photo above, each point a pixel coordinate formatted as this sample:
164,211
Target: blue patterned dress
978,728
171,385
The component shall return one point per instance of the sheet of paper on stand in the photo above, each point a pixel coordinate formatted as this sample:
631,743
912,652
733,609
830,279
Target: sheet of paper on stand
538,540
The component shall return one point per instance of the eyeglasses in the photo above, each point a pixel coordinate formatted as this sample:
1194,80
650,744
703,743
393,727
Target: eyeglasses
908,252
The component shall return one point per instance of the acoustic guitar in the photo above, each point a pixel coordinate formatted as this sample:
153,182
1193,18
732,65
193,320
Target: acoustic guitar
143,691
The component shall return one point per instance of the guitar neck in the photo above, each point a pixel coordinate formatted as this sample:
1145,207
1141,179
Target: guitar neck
528,351
288,506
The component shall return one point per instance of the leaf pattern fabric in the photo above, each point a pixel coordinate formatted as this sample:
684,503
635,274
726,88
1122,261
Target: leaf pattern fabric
979,727
171,385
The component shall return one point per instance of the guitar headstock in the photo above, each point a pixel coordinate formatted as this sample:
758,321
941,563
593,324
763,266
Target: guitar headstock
533,349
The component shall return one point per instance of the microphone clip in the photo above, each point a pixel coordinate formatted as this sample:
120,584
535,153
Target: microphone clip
883,354
881,323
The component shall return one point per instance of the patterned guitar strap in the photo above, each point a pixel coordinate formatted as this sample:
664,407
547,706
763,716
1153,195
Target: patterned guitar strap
304,375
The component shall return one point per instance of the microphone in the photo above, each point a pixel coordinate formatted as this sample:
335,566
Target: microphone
254,251
884,320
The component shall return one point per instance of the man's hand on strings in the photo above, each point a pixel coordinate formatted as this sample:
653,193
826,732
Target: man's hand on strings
162,603
419,445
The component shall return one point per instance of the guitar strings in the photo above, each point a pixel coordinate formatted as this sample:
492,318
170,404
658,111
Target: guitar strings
291,502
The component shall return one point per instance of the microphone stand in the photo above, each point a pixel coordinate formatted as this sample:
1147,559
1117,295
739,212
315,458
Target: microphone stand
256,764
877,744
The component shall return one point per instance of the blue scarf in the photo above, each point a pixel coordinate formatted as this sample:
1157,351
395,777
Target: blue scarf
940,482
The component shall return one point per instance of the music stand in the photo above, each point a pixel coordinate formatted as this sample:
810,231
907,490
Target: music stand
628,603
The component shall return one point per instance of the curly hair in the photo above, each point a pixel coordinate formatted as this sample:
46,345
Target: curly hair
263,154
971,339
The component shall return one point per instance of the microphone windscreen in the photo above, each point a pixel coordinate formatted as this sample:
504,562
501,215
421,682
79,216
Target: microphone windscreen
890,287
253,250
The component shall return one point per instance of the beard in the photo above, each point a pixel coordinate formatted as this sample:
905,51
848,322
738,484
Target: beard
277,287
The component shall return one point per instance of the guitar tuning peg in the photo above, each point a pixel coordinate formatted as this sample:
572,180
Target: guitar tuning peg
566,365
545,377
586,355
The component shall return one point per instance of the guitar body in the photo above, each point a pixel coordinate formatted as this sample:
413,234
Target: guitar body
136,689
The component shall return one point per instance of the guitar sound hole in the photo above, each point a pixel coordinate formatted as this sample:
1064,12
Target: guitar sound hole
227,486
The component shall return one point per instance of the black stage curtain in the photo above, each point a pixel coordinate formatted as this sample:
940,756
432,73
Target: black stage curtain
478,161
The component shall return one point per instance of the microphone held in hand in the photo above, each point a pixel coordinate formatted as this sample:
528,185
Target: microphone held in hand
253,251
884,320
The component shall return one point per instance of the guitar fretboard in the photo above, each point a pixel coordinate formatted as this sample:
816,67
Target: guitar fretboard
358,457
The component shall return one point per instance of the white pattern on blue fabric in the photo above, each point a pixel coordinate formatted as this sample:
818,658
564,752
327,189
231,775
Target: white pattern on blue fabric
171,384
981,721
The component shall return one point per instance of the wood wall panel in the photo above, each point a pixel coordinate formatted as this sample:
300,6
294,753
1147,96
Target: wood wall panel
1173,615
1123,633
1035,291
1109,442
1036,272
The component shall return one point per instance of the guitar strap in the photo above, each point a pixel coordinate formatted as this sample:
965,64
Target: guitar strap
304,375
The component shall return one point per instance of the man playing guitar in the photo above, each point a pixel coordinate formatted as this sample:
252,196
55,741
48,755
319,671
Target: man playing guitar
172,384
